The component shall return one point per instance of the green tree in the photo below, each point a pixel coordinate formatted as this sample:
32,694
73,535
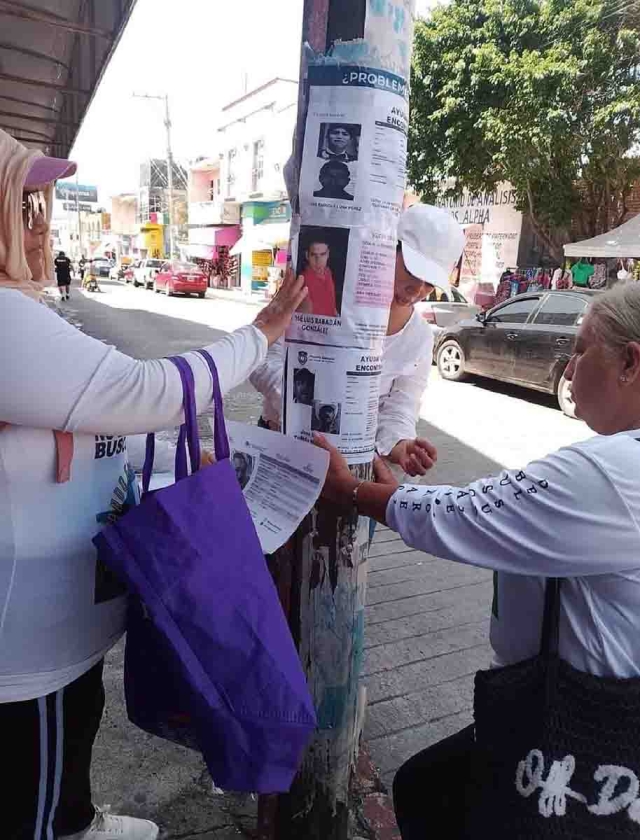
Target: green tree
542,93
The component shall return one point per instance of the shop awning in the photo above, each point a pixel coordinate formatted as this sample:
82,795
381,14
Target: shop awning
201,252
623,241
52,56
263,237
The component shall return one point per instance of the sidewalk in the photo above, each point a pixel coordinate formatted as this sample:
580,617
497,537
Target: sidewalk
237,296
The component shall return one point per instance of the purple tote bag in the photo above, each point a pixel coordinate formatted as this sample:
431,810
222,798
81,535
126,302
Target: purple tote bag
210,662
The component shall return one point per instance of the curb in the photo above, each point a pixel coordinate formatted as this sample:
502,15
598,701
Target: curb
373,813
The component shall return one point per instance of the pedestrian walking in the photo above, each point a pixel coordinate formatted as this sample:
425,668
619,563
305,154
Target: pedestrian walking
90,282
62,265
61,611
561,533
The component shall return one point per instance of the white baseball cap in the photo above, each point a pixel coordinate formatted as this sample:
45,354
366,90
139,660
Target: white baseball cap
432,242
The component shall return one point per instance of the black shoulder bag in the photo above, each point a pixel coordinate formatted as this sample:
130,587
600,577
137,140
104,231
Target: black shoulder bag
558,750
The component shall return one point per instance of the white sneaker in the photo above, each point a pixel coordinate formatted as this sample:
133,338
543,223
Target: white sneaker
107,826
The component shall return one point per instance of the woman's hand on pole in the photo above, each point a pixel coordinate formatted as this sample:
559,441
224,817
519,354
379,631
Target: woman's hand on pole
372,497
339,483
274,319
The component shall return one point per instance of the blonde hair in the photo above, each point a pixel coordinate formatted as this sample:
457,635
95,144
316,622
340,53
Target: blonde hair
15,162
615,315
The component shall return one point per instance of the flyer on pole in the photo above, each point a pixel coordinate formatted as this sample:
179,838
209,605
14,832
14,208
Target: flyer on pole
351,192
333,391
351,195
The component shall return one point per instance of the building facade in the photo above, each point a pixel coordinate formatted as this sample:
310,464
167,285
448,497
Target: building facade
214,224
153,206
254,143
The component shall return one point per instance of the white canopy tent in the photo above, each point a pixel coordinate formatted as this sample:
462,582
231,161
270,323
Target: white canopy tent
622,242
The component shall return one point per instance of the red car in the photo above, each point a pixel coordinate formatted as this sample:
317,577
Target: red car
180,278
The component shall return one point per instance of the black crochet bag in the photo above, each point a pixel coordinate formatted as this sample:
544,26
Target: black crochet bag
558,750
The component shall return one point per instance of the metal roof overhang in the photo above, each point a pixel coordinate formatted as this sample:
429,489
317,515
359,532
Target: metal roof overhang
52,56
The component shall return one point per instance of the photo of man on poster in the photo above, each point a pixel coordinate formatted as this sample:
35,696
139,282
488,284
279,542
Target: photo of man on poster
326,418
322,262
339,141
334,177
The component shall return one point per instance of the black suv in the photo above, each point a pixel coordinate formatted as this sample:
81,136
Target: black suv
527,340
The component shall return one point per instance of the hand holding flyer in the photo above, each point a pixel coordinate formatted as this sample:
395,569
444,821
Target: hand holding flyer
281,479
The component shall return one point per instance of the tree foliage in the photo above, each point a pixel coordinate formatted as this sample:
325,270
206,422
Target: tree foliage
542,93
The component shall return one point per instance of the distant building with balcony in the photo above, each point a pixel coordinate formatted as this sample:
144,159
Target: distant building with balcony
214,224
254,142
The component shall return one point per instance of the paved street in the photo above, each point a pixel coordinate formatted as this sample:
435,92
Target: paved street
427,619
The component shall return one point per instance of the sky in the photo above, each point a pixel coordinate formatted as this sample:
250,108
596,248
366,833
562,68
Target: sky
202,53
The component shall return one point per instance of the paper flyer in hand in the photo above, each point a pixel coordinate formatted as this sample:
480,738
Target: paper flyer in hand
281,479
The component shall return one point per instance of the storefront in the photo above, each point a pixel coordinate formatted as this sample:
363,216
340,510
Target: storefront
264,242
151,240
209,247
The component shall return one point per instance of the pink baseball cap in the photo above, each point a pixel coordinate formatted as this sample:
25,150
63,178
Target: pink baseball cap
45,170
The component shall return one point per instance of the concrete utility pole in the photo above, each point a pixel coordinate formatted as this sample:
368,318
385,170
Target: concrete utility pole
167,124
321,573
79,217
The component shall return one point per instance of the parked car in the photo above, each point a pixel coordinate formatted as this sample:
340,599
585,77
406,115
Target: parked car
527,340
145,272
180,278
443,309
102,266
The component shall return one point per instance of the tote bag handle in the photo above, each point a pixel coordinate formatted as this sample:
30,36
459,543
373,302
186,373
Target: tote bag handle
220,439
189,430
188,434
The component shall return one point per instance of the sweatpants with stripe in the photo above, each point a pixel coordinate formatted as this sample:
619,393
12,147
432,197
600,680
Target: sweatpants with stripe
47,745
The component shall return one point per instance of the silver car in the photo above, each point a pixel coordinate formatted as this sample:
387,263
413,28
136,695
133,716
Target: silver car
443,309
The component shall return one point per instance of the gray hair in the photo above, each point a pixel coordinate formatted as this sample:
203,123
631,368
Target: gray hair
615,315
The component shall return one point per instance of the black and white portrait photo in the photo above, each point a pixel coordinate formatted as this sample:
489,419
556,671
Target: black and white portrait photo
339,141
326,417
243,464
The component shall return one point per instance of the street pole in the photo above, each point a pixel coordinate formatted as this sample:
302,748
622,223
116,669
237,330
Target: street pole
79,217
321,573
167,124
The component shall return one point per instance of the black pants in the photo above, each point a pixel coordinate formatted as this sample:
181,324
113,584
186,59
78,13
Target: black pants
47,746
430,789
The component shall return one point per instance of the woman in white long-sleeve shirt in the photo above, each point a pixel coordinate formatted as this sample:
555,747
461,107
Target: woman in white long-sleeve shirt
430,242
574,514
67,401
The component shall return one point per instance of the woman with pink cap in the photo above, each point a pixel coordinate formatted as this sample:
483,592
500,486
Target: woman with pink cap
67,401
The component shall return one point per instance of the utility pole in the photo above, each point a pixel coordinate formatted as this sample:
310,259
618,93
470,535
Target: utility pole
321,573
167,124
79,217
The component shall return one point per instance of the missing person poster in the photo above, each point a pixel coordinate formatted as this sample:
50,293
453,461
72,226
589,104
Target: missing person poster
334,391
351,192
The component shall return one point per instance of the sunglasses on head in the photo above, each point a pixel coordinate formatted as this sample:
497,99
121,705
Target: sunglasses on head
33,205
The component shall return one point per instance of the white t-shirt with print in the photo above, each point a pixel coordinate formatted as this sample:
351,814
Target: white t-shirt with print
574,514
60,611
